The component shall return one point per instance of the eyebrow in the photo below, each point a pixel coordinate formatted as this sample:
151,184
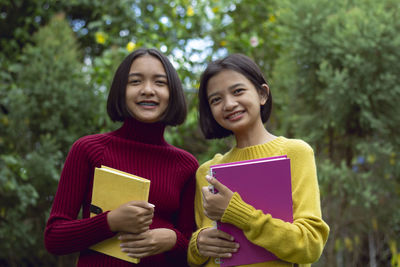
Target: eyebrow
140,74
229,88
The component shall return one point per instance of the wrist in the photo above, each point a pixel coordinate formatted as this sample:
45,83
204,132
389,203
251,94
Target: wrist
171,238
110,221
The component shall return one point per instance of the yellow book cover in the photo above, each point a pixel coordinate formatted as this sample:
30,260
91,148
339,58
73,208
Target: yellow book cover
112,188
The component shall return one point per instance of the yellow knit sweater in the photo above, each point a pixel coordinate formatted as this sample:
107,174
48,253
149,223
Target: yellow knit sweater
299,242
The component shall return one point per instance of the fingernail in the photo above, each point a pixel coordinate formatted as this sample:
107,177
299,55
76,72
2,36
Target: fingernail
152,205
208,177
229,255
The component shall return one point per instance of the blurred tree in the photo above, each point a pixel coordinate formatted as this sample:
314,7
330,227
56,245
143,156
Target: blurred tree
190,32
339,71
244,26
332,66
49,106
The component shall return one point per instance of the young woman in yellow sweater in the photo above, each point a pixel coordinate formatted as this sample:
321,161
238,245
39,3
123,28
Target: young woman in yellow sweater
234,98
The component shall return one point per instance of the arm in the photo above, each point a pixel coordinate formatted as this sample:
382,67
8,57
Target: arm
207,241
301,241
174,240
202,222
159,240
64,233
185,222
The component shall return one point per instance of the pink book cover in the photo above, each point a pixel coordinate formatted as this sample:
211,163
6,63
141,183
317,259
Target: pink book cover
265,184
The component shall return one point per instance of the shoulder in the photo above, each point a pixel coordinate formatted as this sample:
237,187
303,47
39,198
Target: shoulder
91,141
184,157
206,165
90,146
297,147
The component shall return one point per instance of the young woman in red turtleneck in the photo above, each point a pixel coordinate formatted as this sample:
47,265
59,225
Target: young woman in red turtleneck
146,94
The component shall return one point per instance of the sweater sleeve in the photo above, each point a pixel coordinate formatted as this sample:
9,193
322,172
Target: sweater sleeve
202,221
185,223
65,233
301,241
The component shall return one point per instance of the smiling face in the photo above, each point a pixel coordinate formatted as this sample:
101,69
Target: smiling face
147,90
235,102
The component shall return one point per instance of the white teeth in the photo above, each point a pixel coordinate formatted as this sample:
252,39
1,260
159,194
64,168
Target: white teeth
236,114
147,104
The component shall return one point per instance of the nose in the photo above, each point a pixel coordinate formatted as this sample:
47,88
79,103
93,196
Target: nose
230,103
147,89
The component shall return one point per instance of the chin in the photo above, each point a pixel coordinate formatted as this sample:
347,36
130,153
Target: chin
148,120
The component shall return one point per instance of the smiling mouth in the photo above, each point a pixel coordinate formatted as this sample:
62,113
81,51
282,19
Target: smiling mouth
234,115
148,103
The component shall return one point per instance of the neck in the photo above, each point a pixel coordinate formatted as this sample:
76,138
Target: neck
149,133
256,136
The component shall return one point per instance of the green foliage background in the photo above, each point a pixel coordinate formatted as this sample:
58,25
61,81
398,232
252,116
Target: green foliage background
333,68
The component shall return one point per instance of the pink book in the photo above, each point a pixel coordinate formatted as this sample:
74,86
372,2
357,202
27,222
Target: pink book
265,184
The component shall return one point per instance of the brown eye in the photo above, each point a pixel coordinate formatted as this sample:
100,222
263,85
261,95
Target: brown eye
238,91
134,82
214,100
160,82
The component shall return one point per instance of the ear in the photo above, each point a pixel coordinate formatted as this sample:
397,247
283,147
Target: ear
264,94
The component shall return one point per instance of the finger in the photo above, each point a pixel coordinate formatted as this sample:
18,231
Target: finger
140,229
217,252
144,219
220,245
206,195
206,192
142,204
211,217
223,235
139,211
139,246
139,255
216,184
208,215
131,237
148,222
139,220
219,255
217,238
137,250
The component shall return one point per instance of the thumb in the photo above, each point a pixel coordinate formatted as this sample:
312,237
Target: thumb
217,185
142,204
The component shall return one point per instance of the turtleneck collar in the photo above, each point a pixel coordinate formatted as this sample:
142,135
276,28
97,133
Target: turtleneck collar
149,133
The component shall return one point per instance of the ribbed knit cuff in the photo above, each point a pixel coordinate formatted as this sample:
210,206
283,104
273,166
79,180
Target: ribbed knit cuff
181,243
194,254
102,224
238,212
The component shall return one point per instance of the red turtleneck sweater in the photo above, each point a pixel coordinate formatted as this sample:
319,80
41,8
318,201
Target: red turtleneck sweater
137,148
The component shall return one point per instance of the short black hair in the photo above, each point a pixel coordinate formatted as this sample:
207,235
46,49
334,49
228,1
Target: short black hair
239,63
176,111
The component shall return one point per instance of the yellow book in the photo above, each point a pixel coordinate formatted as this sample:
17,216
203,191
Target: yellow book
112,188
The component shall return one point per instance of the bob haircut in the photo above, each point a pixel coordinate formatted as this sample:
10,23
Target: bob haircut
245,66
176,111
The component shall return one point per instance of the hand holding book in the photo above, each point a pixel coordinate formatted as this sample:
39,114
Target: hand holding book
215,203
133,217
151,242
264,184
125,195
212,242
